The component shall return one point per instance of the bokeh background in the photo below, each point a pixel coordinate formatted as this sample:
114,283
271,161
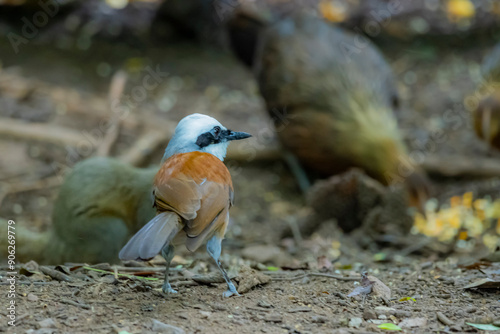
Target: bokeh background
72,87
58,61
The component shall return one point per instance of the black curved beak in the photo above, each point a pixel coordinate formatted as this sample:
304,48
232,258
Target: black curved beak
233,135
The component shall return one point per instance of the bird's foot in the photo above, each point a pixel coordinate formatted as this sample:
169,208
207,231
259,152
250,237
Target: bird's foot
168,289
230,292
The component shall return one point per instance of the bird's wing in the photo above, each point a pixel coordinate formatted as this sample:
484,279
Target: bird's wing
198,187
215,198
180,194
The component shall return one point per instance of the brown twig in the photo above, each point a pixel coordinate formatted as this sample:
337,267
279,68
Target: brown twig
340,278
8,189
415,247
458,165
143,147
153,269
57,275
21,317
184,283
39,132
158,133
50,182
109,138
325,303
70,302
444,319
30,283
117,86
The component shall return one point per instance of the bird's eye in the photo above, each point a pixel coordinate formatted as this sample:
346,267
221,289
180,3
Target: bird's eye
216,131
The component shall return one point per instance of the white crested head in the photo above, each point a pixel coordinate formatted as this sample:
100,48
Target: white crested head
198,132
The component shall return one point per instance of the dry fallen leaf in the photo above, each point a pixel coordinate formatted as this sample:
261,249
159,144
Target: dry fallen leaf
324,263
485,283
484,327
379,288
249,278
371,284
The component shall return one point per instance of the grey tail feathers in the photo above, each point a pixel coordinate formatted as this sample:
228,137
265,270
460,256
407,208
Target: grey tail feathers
150,239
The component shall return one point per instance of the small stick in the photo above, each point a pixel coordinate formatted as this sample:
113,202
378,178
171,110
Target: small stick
460,165
154,269
8,189
29,283
340,278
325,303
444,319
39,132
258,309
143,147
184,283
21,317
57,275
109,139
70,302
415,247
210,278
118,274
49,182
117,86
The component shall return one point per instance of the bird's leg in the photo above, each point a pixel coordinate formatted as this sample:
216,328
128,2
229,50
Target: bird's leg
297,170
168,254
214,249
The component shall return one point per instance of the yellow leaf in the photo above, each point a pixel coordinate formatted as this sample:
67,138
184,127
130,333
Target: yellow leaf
332,11
455,201
461,8
467,200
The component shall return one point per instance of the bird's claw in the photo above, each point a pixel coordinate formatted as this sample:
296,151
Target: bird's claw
168,289
230,292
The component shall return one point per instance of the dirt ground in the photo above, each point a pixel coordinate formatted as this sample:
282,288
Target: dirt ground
426,292
102,304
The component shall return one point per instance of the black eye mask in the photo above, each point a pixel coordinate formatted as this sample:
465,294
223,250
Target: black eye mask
206,139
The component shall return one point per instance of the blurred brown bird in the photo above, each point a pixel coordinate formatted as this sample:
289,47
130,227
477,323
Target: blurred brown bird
486,119
486,116
332,97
